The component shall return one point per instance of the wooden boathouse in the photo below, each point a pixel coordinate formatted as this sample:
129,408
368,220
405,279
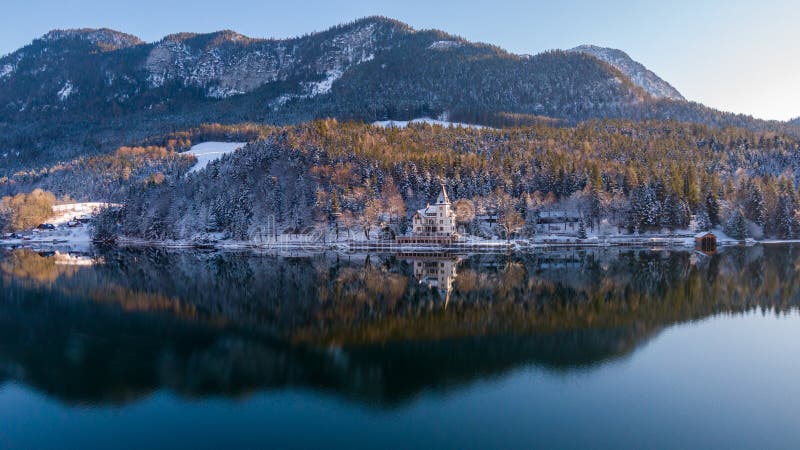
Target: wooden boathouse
705,241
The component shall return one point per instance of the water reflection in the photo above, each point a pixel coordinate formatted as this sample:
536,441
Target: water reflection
436,270
376,329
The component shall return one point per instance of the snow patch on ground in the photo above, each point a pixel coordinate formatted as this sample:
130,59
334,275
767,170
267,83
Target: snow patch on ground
66,91
282,100
6,70
324,86
222,92
63,214
428,120
312,89
444,45
211,151
156,80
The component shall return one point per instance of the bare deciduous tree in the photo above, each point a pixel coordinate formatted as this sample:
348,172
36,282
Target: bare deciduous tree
465,211
370,216
510,220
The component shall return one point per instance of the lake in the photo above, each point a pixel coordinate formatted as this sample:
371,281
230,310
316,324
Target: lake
580,348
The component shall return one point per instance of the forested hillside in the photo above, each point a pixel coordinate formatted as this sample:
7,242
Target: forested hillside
105,177
75,93
355,178
635,71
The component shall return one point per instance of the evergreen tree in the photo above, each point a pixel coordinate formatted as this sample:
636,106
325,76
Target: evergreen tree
702,222
645,208
786,218
736,226
755,208
712,209
675,213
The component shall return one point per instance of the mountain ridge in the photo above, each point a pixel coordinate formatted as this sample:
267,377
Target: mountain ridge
115,39
636,71
82,91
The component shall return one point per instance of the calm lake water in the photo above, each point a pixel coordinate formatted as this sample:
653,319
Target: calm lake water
563,349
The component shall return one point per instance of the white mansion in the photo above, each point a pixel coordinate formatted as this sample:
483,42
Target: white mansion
433,224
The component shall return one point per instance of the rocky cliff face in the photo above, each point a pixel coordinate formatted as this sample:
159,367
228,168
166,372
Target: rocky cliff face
226,63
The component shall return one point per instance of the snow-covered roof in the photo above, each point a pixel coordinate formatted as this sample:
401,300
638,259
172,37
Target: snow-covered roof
703,234
433,210
427,211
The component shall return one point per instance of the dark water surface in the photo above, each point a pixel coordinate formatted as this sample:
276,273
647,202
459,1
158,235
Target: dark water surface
564,349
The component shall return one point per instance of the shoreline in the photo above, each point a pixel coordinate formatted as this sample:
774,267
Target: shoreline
467,246
290,244
514,246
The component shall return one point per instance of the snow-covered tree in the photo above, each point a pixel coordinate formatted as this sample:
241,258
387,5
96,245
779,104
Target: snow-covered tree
736,225
702,222
712,208
581,229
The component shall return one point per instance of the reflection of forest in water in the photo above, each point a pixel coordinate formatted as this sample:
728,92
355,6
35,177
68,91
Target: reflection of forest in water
377,329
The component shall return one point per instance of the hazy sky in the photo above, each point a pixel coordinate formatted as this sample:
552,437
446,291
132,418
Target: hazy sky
734,55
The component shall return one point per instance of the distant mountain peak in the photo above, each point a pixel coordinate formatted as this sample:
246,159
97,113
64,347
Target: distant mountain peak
382,20
99,36
208,40
636,71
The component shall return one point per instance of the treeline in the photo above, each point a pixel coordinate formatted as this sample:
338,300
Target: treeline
500,119
355,177
101,178
180,141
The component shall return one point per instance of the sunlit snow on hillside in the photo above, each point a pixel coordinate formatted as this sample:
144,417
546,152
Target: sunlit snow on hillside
428,120
211,151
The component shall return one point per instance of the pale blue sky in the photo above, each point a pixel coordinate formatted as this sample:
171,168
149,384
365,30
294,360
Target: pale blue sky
734,55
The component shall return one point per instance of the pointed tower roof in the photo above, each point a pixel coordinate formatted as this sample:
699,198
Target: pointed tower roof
443,199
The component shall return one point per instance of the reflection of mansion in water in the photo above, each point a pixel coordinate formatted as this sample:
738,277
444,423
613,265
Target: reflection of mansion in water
436,271
434,224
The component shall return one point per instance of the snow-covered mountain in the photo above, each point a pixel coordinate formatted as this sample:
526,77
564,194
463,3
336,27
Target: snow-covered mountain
226,63
638,73
76,91
221,64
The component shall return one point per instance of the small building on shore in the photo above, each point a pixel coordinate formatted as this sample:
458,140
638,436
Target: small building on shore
706,241
434,224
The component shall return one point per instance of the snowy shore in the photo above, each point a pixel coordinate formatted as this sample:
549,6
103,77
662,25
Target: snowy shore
71,230
79,241
467,245
70,234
